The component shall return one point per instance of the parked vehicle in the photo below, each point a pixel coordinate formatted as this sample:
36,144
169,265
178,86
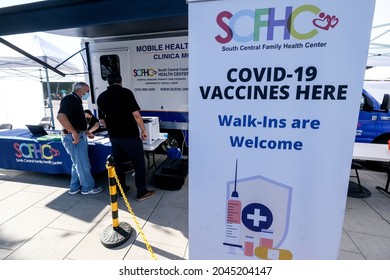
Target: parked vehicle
374,120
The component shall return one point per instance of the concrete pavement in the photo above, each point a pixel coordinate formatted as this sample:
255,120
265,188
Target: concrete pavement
39,220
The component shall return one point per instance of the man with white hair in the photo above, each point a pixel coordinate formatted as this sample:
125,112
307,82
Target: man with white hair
74,138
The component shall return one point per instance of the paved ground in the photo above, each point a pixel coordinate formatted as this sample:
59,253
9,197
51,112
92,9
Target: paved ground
39,220
366,230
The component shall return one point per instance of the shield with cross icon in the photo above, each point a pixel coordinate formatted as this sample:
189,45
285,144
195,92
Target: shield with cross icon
265,210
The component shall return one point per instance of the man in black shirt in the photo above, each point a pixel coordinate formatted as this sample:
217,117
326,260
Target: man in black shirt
119,113
74,138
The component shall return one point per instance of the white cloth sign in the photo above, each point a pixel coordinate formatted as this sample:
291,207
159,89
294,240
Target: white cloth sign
274,94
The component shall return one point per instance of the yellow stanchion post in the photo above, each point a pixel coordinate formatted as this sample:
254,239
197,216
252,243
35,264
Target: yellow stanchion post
119,232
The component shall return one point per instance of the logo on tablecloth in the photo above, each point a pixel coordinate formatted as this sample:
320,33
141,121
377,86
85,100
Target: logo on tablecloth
35,151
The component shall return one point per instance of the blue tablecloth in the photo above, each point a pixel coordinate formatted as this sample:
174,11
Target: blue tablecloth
20,150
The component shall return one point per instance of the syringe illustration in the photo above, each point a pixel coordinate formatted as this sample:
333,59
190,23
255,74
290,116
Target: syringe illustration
233,218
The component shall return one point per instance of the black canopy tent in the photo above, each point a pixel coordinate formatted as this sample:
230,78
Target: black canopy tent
95,18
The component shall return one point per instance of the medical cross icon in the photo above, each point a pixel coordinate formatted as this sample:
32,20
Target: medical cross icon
256,217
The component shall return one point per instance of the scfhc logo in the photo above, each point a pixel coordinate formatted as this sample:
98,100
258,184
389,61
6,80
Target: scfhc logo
263,21
144,72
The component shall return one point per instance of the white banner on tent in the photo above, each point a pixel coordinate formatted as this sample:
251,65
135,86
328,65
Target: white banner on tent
275,88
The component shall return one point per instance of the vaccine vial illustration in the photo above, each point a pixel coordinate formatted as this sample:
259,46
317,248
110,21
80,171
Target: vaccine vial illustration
249,246
266,238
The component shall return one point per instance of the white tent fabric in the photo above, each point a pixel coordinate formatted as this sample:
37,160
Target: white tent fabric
378,73
17,69
379,51
377,77
13,63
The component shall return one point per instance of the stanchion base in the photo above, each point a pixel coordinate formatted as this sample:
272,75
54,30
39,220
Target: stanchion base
355,191
111,237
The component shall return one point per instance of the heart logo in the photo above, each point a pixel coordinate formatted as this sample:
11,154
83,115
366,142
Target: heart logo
325,21
321,23
54,152
334,21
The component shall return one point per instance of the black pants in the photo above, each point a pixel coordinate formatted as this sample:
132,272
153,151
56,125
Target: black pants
126,149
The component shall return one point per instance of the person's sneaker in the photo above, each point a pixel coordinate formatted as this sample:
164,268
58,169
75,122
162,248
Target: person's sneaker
95,190
126,190
74,192
147,195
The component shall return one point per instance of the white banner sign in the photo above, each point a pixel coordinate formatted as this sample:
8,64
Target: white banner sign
159,67
274,94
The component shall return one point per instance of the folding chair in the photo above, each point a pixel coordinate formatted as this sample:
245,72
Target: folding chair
46,122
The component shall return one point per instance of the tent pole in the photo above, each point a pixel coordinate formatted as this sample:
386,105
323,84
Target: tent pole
49,95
